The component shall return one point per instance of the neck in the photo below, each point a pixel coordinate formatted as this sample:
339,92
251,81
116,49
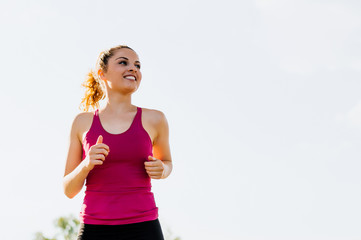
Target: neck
118,103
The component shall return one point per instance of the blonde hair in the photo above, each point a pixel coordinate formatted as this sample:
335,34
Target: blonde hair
94,91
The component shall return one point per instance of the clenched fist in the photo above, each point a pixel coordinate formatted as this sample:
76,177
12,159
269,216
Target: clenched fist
97,154
154,167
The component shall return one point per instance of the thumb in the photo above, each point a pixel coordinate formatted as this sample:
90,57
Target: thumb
151,158
100,139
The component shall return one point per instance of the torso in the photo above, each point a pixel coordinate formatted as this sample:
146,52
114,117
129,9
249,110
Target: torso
119,124
119,191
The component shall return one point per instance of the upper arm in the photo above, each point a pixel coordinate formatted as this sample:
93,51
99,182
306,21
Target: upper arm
161,148
75,150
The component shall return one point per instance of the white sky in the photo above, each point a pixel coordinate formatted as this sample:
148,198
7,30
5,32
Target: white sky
262,98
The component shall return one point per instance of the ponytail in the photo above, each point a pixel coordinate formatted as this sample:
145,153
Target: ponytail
93,89
93,93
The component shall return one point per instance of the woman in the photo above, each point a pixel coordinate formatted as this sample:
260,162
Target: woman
116,151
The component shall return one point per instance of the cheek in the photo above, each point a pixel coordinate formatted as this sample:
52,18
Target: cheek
111,73
140,77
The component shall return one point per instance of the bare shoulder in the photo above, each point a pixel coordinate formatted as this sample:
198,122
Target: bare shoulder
155,123
84,118
82,123
153,116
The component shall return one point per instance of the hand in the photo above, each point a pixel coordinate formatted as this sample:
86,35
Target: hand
155,168
96,154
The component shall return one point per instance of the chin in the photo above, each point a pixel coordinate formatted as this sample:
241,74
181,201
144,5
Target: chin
129,90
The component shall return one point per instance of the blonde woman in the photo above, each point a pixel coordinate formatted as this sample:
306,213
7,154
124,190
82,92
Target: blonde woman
116,151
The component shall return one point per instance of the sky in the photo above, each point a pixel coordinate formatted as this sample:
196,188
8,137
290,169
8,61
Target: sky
262,99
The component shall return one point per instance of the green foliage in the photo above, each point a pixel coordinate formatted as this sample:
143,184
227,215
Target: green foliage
168,234
40,236
67,228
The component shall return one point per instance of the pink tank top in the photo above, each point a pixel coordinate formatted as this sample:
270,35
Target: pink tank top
119,191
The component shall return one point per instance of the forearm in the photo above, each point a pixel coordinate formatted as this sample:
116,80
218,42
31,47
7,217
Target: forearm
74,181
168,167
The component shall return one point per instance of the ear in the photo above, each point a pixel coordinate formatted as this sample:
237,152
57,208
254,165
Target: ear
101,75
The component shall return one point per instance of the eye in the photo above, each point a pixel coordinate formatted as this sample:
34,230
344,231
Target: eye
123,62
138,66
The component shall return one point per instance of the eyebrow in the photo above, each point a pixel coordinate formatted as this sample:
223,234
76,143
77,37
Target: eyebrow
126,59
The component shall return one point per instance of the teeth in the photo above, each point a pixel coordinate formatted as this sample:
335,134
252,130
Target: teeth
130,77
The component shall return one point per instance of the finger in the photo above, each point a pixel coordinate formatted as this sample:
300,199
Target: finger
100,139
97,162
99,157
151,164
151,158
151,173
106,147
101,151
157,163
155,176
100,145
155,169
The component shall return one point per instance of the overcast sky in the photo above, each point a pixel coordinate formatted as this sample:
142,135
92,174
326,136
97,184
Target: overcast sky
262,99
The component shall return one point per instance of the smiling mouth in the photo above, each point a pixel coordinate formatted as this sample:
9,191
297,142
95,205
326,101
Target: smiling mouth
130,78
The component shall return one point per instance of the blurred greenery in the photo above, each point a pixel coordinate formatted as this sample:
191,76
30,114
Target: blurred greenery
67,229
168,234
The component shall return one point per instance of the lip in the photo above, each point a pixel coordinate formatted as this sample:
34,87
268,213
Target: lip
130,75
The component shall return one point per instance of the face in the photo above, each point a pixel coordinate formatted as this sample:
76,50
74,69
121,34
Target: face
123,72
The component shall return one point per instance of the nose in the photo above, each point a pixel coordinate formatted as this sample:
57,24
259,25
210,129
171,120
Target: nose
132,68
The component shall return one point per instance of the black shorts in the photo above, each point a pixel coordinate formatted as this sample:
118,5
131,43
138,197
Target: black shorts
149,230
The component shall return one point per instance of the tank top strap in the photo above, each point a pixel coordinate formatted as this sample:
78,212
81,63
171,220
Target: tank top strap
96,120
137,122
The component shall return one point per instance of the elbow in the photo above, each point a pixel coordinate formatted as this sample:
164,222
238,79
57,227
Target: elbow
70,194
67,193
